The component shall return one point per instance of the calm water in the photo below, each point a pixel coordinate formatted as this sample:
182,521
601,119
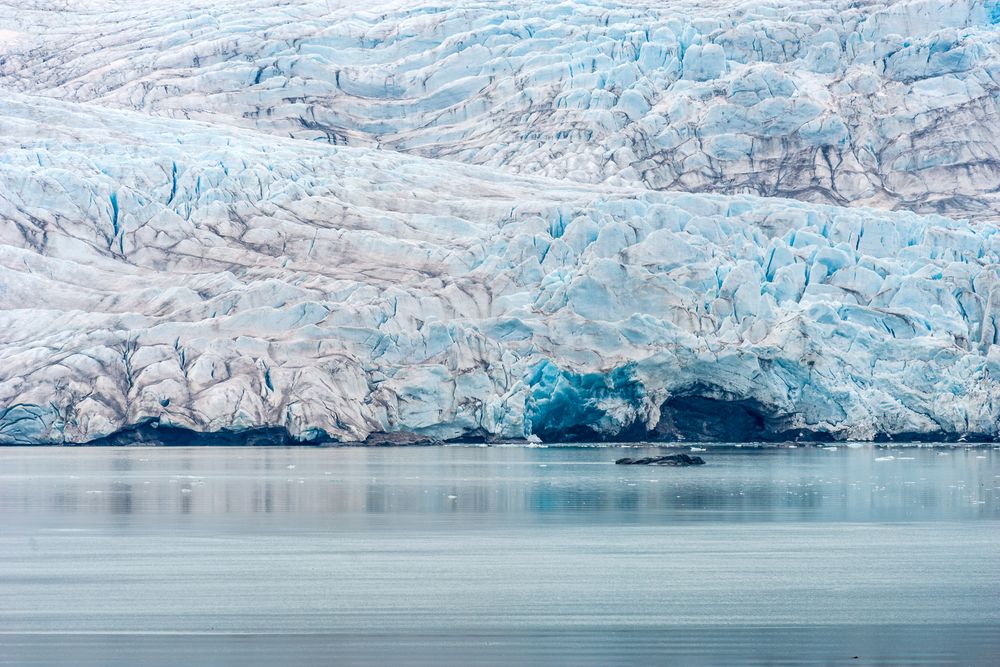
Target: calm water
498,555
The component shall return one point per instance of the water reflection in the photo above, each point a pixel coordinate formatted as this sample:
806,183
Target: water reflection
555,554
473,483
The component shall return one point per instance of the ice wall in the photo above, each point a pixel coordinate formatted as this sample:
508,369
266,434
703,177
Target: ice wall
184,274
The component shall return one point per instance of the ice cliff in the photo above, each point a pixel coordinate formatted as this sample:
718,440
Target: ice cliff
496,220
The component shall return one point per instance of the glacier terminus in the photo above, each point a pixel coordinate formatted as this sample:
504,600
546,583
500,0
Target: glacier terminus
340,222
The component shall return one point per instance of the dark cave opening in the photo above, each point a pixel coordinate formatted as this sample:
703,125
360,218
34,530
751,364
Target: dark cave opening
705,413
700,418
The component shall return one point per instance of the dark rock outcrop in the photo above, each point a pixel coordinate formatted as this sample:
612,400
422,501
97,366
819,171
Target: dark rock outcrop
399,439
669,460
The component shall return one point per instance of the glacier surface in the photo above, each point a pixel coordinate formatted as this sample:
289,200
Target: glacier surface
499,220
850,102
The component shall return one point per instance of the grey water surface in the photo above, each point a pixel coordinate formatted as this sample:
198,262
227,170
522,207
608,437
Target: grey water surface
498,555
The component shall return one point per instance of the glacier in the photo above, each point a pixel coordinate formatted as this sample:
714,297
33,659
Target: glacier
309,220
890,105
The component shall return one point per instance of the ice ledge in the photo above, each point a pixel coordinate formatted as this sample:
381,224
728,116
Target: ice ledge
704,422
